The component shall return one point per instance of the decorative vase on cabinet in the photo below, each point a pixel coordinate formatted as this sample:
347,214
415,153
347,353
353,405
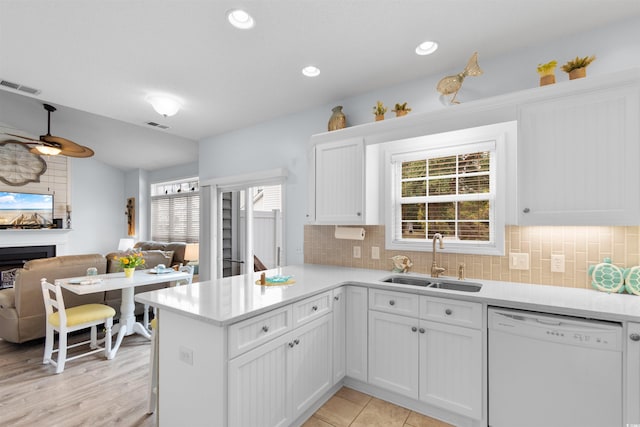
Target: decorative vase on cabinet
337,120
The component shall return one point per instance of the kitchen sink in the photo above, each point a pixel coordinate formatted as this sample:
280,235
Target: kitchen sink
434,283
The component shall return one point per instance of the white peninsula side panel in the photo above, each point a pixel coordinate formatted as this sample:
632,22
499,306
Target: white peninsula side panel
192,379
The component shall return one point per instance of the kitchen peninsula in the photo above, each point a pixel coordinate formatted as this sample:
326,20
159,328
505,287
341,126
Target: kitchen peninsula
232,351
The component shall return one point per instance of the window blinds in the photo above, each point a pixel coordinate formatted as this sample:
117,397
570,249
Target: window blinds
176,217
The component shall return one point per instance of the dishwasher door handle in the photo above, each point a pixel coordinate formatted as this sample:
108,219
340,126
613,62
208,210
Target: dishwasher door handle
548,322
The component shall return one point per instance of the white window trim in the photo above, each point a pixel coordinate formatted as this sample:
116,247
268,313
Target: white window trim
443,144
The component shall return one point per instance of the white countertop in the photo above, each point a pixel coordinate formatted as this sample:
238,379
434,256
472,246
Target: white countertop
229,300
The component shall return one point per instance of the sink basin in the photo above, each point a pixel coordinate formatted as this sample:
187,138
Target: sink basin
434,283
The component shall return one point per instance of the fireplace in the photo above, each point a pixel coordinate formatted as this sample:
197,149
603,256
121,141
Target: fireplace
12,258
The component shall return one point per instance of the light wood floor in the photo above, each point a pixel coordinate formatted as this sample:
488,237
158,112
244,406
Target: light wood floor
96,392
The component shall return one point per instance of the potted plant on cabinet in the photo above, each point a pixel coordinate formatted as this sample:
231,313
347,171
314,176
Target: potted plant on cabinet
577,68
401,110
379,110
547,72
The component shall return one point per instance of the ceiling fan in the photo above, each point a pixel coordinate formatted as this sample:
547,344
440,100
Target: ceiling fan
54,145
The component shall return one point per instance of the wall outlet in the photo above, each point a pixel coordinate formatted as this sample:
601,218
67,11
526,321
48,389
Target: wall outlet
518,261
557,263
357,251
375,252
185,355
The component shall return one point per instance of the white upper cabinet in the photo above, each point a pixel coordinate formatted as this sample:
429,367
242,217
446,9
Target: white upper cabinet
339,182
578,157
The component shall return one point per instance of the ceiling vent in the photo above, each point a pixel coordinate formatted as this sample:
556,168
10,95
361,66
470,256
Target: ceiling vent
156,125
17,86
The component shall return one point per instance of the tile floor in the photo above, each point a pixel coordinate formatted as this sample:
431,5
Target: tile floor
349,407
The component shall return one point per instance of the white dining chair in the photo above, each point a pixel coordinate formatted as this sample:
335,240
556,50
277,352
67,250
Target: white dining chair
65,320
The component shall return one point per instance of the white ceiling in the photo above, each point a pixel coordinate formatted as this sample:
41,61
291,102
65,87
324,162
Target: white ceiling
104,58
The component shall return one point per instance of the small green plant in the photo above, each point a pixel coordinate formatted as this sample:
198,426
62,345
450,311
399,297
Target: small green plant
401,107
548,68
379,109
574,64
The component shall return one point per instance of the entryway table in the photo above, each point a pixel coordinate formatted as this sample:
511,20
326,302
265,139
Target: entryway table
107,282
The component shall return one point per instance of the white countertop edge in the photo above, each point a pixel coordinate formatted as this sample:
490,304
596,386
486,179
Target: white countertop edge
533,297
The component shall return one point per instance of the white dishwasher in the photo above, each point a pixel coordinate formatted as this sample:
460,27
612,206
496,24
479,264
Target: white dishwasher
553,371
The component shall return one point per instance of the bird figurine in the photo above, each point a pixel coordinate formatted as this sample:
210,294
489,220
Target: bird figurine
401,264
452,84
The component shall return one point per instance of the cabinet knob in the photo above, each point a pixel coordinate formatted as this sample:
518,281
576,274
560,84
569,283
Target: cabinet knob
265,328
634,337
291,344
314,308
526,210
413,329
359,213
392,302
337,297
421,330
448,312
296,341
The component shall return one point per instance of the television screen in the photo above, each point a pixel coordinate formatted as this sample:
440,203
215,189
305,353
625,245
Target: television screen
25,210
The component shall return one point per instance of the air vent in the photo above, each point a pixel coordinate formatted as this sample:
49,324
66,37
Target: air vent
17,86
157,125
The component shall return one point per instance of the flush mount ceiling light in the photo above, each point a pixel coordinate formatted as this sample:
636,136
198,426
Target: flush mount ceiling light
311,71
164,105
427,48
240,19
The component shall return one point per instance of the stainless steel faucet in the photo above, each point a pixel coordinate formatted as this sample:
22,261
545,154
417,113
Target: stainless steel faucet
435,270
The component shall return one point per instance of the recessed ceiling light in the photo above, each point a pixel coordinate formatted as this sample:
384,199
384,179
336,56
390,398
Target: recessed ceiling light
240,19
311,71
427,48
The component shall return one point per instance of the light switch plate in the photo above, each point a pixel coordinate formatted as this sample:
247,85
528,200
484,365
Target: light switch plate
518,261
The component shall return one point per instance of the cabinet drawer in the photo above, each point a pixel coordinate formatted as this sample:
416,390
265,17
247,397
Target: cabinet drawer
311,308
450,311
250,333
394,302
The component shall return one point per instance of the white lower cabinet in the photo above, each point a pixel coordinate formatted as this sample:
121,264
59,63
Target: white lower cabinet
356,332
275,383
451,368
339,334
632,375
439,363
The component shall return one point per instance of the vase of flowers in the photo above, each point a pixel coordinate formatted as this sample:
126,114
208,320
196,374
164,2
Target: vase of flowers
577,68
547,73
379,111
129,262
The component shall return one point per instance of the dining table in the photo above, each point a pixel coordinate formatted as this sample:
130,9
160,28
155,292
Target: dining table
127,324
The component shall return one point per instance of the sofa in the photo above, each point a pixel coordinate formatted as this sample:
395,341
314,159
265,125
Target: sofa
22,313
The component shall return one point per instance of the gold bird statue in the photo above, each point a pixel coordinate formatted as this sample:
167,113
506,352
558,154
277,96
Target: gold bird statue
452,84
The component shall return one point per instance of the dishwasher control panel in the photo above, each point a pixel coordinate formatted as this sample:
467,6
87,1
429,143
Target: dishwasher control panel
560,329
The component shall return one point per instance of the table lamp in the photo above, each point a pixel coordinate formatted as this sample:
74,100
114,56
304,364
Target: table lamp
192,252
125,244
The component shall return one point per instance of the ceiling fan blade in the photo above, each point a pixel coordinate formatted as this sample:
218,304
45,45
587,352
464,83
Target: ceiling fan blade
21,137
68,148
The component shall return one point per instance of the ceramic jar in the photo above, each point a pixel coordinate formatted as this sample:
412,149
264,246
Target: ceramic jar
337,120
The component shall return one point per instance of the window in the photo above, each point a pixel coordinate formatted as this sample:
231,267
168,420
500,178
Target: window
175,211
445,184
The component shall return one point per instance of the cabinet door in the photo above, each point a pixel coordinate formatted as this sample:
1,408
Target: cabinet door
263,378
356,331
311,360
339,334
632,394
451,368
393,353
578,159
339,178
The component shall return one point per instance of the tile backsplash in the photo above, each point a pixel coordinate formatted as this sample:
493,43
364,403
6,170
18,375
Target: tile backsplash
581,247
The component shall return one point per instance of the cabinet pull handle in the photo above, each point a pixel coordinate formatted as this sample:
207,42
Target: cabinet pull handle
634,337
448,312
413,329
314,308
337,297
526,210
291,344
421,330
392,302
